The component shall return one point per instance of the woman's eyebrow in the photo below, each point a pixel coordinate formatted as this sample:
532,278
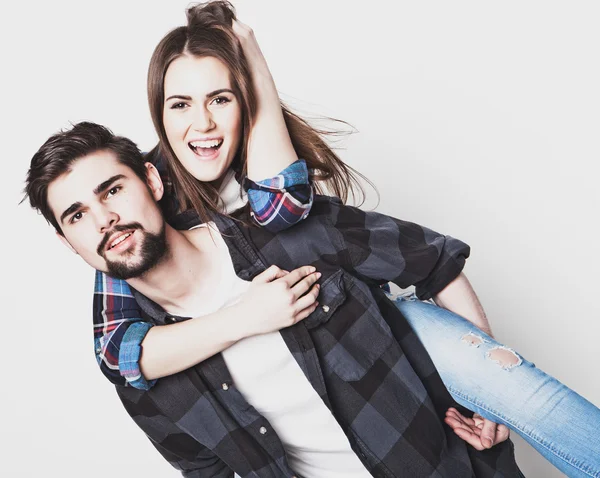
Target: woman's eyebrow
179,97
208,95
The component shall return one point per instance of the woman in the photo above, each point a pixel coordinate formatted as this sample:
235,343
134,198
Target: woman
189,64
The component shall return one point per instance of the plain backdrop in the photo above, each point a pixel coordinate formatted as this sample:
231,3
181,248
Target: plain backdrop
477,119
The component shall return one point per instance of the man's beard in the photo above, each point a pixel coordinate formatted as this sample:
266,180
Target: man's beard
152,250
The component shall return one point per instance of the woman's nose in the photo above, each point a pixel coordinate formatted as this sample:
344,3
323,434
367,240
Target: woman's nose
203,120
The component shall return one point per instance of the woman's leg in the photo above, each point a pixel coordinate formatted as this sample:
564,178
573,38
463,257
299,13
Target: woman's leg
494,381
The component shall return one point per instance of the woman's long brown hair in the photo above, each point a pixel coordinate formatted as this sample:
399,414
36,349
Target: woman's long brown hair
209,33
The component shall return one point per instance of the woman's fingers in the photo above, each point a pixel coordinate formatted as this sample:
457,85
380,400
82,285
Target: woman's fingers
297,274
303,314
240,28
308,299
301,287
270,274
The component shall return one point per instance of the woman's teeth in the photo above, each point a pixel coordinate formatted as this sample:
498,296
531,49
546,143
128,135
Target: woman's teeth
211,144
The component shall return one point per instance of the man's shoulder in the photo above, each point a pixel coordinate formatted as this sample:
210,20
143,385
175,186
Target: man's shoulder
332,210
324,205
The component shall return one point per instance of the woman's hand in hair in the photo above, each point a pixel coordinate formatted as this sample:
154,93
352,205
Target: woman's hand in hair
254,56
277,299
270,148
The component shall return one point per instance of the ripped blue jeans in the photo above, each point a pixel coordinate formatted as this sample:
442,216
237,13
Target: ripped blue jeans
496,382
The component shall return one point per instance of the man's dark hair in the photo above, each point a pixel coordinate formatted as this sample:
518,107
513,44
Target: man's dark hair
60,151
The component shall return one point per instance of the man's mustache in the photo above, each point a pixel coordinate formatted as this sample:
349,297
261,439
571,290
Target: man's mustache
117,228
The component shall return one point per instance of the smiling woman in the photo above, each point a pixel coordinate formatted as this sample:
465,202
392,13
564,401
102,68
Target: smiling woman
202,116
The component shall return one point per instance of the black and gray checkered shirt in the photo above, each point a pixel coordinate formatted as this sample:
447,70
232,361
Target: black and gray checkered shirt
357,351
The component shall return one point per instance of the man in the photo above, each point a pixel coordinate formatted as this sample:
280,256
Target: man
333,395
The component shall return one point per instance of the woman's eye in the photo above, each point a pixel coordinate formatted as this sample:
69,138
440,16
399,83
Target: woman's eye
220,100
178,106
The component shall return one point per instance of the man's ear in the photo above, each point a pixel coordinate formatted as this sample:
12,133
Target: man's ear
155,184
65,242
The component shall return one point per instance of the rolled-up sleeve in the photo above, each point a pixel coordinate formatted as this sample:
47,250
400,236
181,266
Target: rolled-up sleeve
381,248
118,332
279,202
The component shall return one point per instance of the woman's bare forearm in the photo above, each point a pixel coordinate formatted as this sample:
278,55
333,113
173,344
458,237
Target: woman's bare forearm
169,349
270,148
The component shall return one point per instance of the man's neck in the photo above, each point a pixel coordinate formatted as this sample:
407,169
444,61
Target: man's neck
183,273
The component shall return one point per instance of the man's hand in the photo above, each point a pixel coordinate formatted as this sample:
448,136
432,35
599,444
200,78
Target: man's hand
478,432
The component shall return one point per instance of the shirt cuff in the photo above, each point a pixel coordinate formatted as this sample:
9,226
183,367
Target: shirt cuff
295,175
129,356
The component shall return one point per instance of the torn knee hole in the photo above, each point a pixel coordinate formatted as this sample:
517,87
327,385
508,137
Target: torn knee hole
472,339
504,357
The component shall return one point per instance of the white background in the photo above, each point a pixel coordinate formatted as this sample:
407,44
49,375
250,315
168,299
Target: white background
477,119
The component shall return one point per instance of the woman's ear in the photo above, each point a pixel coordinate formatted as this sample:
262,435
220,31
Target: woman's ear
65,242
154,182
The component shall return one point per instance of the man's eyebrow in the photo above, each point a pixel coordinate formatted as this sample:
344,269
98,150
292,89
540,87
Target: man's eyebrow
70,210
104,185
208,95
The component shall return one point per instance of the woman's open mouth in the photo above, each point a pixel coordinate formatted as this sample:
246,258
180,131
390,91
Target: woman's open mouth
206,149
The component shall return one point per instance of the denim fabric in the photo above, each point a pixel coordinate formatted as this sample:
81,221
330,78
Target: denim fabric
556,421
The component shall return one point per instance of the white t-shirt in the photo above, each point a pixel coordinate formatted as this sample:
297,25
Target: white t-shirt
267,375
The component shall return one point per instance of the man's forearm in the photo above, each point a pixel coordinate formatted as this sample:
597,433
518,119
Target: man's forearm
460,298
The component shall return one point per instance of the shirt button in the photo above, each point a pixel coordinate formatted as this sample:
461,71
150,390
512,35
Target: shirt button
262,430
98,350
225,386
325,308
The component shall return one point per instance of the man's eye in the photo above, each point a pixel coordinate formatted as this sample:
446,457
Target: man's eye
113,191
76,217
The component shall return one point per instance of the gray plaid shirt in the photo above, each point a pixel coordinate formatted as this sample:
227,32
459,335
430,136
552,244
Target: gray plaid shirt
357,351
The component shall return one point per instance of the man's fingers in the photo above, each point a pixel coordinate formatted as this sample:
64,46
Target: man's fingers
488,433
459,416
465,433
502,434
456,424
470,438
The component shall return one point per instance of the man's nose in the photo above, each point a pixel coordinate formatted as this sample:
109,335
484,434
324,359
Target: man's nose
105,219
